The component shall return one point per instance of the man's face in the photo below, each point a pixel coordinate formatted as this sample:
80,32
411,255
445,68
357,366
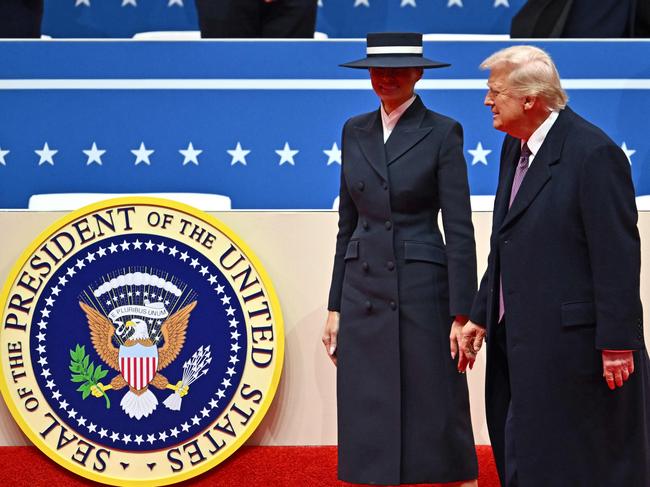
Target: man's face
507,107
394,85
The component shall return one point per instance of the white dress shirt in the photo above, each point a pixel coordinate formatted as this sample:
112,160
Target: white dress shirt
537,139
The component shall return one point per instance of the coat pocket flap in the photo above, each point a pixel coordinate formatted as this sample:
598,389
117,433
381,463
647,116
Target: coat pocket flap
424,251
579,314
352,252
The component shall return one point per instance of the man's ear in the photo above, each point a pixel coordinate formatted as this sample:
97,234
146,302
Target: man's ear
529,102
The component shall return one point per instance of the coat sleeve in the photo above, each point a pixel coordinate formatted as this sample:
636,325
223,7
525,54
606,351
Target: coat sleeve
348,217
480,305
609,217
453,195
478,314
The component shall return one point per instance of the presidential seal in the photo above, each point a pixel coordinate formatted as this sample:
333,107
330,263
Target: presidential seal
142,342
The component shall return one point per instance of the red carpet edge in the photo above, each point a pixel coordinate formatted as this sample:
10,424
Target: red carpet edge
281,466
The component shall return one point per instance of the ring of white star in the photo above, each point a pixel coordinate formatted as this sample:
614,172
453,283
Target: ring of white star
161,435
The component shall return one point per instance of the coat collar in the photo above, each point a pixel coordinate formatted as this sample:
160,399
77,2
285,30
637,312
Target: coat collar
405,135
371,141
539,172
407,132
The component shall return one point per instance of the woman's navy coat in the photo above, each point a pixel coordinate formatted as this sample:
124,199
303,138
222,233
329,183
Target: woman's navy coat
403,409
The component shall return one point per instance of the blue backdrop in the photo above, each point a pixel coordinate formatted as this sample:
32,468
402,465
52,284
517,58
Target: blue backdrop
336,18
248,106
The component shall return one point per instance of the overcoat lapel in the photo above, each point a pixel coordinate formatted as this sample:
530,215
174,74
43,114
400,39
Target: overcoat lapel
539,172
371,141
503,197
407,132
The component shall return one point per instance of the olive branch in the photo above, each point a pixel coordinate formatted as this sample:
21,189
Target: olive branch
85,371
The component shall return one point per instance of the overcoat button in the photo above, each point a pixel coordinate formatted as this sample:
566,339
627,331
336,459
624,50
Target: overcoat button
384,185
364,224
388,225
390,265
360,185
368,306
506,242
393,305
365,266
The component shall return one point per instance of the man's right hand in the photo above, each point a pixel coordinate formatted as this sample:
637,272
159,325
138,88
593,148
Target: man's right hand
330,334
472,341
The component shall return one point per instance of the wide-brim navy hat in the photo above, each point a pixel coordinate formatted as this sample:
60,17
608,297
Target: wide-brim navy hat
394,50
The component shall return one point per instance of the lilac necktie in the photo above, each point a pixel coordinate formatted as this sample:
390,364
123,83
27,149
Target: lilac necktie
520,173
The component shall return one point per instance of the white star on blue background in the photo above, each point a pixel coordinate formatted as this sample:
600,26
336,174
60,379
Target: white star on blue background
142,154
94,155
333,155
46,155
238,155
190,155
286,155
479,154
3,153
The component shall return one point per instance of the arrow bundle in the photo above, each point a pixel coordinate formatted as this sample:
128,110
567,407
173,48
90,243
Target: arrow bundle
193,368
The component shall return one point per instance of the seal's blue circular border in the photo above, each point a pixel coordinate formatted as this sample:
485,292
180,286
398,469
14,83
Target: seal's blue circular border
217,321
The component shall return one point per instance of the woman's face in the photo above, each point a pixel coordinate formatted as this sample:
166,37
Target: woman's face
394,85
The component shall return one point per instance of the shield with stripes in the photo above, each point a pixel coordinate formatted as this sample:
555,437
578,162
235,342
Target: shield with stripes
138,364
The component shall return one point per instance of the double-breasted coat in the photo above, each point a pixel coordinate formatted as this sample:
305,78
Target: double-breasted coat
568,255
403,409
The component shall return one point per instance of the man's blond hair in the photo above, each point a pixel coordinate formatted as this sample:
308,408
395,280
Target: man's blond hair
531,73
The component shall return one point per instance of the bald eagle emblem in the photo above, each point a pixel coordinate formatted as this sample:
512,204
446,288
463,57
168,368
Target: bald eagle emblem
149,339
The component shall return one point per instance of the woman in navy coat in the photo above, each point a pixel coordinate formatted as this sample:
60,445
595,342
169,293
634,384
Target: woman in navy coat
400,293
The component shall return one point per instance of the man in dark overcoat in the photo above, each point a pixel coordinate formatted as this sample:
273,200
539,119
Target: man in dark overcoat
567,386
403,408
581,18
21,18
257,18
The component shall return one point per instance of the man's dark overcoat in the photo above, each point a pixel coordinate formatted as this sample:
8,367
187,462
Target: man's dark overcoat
20,18
581,18
403,409
568,254
255,18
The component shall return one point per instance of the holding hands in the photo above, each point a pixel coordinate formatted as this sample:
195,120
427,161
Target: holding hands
469,341
456,338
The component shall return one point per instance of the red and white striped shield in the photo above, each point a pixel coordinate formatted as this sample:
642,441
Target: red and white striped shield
138,364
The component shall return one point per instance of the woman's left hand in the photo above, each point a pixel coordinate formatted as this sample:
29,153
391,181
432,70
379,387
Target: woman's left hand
456,338
330,334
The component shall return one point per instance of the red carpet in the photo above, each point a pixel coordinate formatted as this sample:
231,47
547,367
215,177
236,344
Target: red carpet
289,466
